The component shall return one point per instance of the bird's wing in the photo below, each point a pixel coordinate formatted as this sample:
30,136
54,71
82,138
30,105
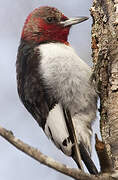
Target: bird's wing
30,87
37,100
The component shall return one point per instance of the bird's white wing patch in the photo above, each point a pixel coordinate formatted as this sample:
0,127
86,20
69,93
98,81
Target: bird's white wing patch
56,130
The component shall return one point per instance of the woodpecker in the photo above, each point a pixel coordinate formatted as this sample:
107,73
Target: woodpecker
55,85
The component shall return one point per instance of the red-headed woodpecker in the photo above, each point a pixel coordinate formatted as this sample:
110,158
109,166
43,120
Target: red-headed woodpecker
54,83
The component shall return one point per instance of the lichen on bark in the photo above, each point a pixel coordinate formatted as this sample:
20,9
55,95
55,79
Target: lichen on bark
105,60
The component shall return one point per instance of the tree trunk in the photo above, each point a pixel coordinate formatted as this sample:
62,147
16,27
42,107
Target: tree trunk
105,74
105,59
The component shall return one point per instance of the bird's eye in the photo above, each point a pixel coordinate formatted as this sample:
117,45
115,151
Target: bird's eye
49,19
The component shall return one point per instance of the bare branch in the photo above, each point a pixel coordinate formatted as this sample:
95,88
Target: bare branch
37,155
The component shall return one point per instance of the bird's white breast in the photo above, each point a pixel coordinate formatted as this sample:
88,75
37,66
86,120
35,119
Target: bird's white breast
64,72
67,78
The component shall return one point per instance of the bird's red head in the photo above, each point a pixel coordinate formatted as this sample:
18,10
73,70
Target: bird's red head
48,24
43,24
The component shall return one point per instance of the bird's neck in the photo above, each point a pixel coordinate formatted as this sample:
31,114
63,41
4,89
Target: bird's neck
37,41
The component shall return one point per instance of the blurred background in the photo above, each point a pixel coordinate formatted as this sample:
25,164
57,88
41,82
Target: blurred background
15,165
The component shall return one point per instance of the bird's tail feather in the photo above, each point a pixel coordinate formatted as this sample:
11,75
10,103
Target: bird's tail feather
87,159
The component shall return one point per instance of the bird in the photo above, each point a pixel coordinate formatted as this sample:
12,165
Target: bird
54,83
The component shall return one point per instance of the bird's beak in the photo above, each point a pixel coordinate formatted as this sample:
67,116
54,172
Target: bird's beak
72,21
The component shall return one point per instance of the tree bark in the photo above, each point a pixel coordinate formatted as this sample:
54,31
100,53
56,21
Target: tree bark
105,59
105,74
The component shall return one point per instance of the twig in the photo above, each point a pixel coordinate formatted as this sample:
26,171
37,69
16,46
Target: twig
105,163
76,147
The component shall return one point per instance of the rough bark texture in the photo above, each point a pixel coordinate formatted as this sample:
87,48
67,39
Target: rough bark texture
105,59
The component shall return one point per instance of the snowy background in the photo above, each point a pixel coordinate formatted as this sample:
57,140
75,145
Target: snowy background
15,165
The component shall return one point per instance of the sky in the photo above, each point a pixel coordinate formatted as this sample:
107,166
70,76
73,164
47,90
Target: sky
15,165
